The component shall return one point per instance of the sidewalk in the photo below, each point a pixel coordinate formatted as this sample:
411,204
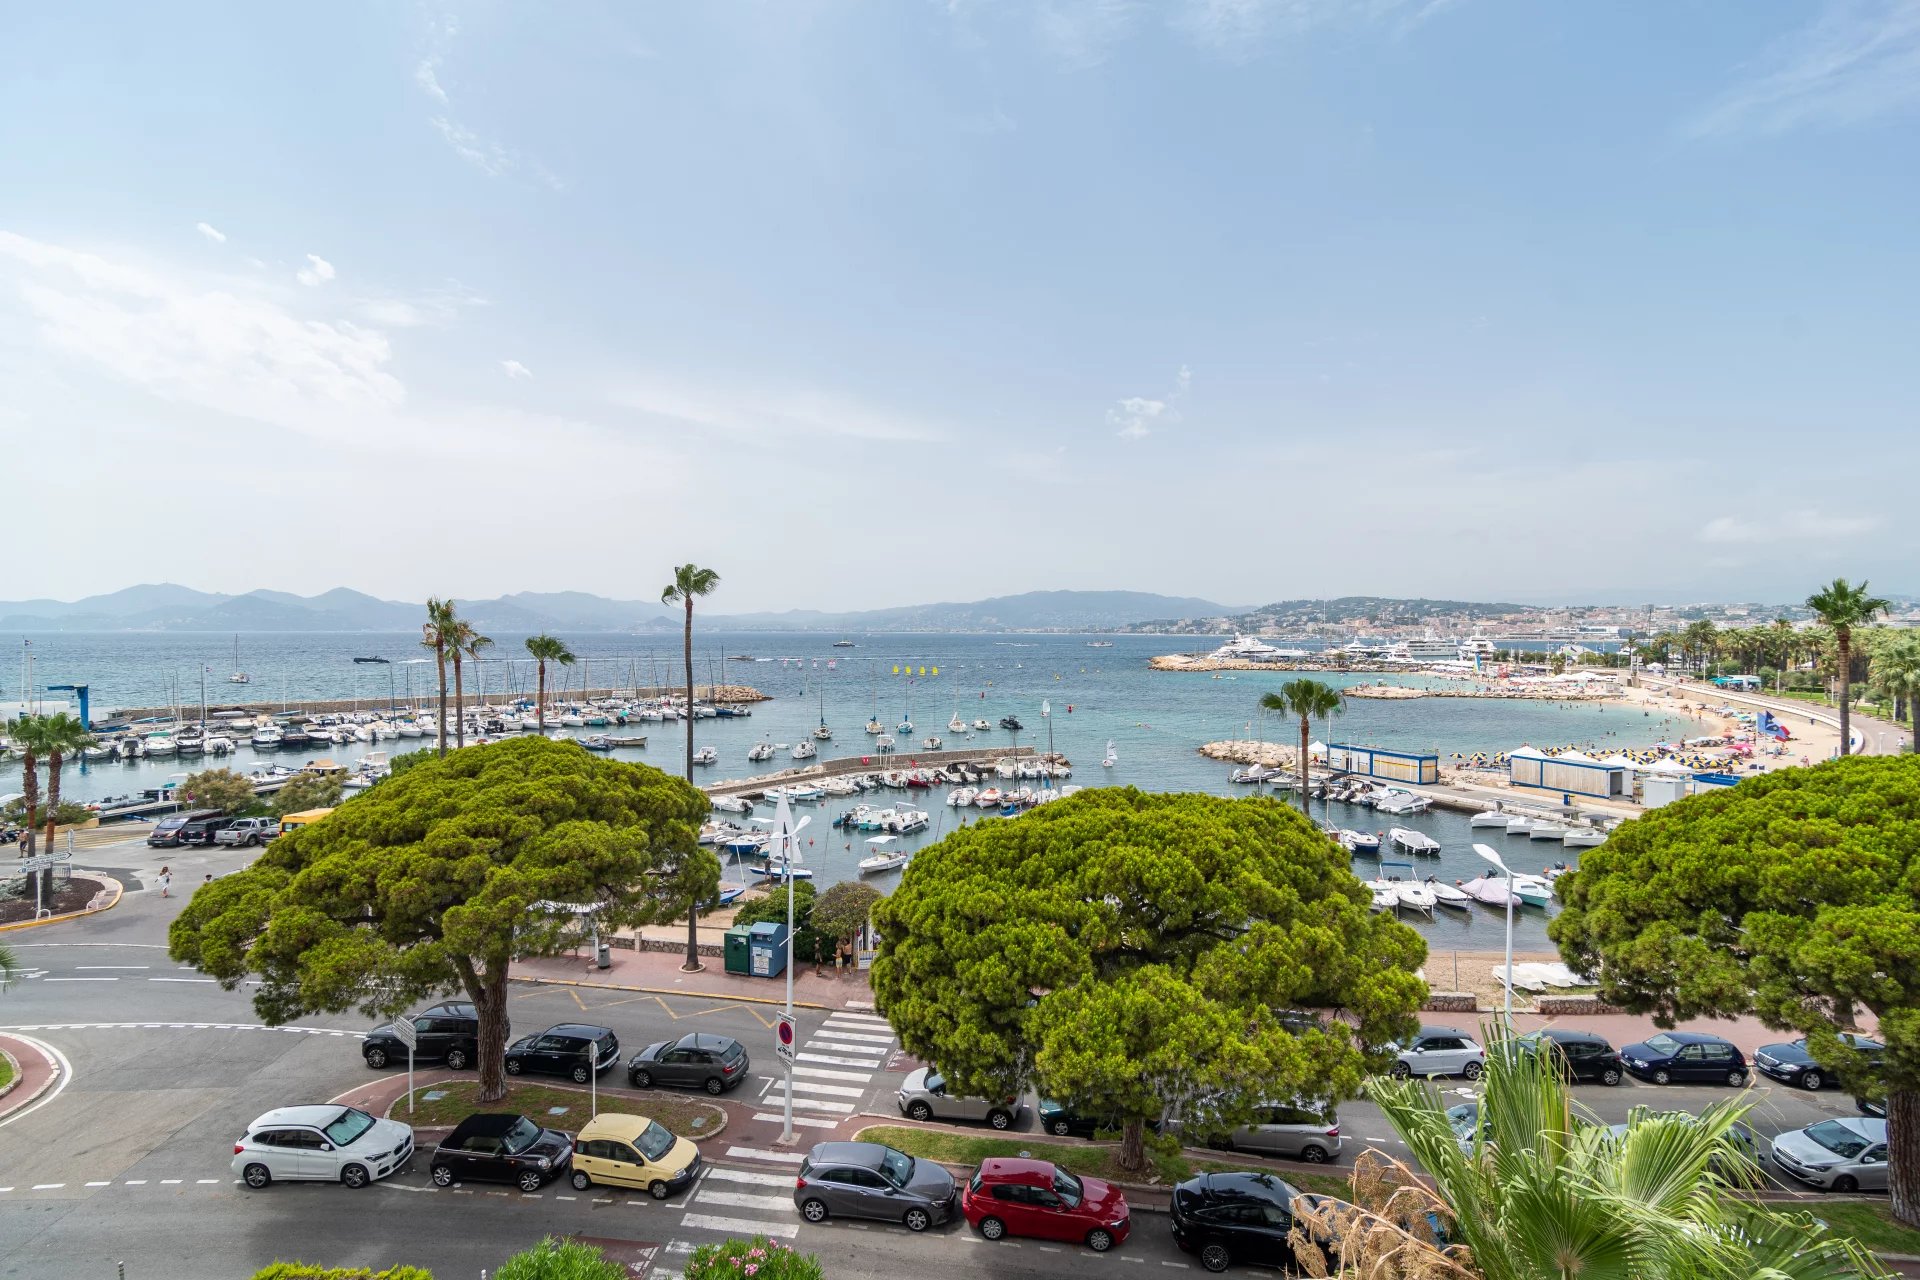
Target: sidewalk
38,1073
659,972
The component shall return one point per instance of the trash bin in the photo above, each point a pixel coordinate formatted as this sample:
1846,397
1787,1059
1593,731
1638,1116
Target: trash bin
603,957
738,959
768,944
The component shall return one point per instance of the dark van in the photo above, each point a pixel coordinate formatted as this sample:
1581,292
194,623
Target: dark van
171,830
203,830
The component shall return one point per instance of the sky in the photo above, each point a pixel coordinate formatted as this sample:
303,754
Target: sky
869,304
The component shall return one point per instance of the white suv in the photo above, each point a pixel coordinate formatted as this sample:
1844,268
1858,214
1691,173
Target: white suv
1441,1051
321,1143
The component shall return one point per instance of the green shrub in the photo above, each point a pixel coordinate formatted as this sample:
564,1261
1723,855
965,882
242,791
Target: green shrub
553,1259
312,1271
758,1258
808,944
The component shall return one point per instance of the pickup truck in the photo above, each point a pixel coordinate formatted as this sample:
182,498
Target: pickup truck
247,831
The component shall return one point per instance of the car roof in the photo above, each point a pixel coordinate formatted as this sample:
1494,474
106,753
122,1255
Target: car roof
458,1008
870,1155
1691,1037
488,1123
617,1125
703,1040
1426,1030
1247,1186
316,1114
1569,1035
1014,1169
1872,1128
584,1029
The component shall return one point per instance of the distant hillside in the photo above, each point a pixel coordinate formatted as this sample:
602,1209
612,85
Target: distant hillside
1353,611
168,607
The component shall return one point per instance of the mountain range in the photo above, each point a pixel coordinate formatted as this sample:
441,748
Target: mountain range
168,606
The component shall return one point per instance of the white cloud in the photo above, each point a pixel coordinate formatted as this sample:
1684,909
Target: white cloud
423,75
514,369
1859,59
211,232
1082,32
1802,525
223,345
771,412
317,271
434,307
1136,416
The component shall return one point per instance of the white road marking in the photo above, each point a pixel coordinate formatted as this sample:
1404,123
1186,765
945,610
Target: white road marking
842,1033
832,1090
81,967
749,1153
207,1182
82,979
63,1070
170,1182
741,1226
833,1061
138,1182
206,980
99,1184
48,1186
836,1046
751,1175
563,1197
822,1073
779,1096
805,1122
744,1200
856,1015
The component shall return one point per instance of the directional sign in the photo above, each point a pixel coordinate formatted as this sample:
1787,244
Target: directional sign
404,1032
783,1039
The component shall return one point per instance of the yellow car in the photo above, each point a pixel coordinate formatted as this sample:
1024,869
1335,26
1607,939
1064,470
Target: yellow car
616,1150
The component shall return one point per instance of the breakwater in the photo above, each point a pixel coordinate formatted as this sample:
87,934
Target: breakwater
717,693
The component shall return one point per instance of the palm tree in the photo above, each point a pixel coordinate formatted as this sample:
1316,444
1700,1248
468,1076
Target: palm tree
60,736
9,966
1310,700
463,642
1896,671
1531,1187
689,583
1843,606
433,635
27,734
1702,638
547,649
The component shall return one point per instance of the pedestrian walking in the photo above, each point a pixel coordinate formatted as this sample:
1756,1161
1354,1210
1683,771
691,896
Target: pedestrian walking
166,879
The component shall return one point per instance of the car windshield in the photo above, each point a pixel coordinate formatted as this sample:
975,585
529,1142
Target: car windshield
522,1135
935,1082
1067,1187
655,1141
1838,1138
1463,1118
348,1128
1663,1044
897,1166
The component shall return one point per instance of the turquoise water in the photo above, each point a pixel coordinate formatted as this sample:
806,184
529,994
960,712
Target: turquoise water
1156,720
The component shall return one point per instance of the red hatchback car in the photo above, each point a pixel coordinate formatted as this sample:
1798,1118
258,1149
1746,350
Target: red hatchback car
1034,1198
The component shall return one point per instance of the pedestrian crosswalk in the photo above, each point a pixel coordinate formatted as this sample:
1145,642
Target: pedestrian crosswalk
753,1195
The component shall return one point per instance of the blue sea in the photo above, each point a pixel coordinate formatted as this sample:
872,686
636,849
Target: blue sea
1155,720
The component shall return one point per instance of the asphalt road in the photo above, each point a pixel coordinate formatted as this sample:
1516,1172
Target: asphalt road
130,1159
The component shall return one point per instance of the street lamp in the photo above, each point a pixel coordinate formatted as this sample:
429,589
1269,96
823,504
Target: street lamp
1487,853
786,842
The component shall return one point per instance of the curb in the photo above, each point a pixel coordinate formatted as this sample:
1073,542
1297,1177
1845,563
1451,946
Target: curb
667,991
13,1081
118,891
20,1104
717,1130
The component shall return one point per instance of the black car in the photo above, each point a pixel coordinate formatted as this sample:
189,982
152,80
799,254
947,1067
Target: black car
576,1050
1793,1064
449,1030
1224,1218
203,830
694,1061
1061,1119
1667,1057
169,830
495,1147
1580,1055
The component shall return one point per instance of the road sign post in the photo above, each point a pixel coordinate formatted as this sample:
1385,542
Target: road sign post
783,1048
405,1032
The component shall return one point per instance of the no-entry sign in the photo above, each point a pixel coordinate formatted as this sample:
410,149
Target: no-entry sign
783,1039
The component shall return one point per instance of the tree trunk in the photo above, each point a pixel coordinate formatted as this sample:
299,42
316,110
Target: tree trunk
1305,729
1133,1145
30,788
53,796
540,708
488,988
693,964
1913,705
1845,642
1903,1154
459,705
440,661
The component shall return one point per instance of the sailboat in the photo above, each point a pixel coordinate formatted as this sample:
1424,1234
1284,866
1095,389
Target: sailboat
238,676
956,725
873,721
823,734
1110,759
905,726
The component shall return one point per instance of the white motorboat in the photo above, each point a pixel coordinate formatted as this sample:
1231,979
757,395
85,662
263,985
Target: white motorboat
1408,891
988,798
1384,898
882,858
159,744
980,725
1358,841
931,742
908,821
1408,840
760,751
1583,838
884,742
1396,801
1547,831
1491,818
806,792
132,748
1491,891
732,804
1534,891
706,755
804,750
1519,826
218,744
1110,759
962,797
99,751
1449,895
268,736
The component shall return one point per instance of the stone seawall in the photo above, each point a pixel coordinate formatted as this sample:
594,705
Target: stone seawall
334,706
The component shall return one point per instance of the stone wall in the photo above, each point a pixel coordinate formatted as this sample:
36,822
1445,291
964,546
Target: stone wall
1573,1006
1451,1002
